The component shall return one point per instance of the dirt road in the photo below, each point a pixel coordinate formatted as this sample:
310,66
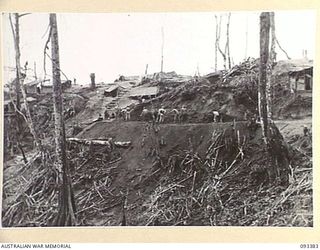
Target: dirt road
289,128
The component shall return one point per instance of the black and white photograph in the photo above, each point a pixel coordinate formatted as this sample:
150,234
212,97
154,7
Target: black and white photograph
158,119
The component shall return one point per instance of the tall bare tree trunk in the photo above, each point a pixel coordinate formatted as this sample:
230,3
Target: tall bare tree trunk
288,57
162,48
19,84
224,57
227,49
93,80
35,70
273,55
246,47
216,45
277,155
146,70
271,63
17,48
66,216
264,55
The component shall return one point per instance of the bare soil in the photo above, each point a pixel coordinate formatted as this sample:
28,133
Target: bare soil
172,173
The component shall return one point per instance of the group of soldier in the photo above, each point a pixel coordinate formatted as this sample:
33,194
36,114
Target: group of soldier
158,115
155,115
124,113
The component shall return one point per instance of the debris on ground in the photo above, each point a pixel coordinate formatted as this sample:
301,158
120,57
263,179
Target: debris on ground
192,168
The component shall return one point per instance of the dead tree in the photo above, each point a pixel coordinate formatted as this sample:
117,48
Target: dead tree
288,57
35,70
66,213
216,45
226,53
146,70
224,57
16,38
246,46
271,62
162,48
19,83
273,55
227,48
264,55
93,80
277,153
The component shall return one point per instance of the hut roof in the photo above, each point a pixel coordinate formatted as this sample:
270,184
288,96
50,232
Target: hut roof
143,91
288,66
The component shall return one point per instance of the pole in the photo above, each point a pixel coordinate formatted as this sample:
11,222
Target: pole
264,55
162,47
66,215
18,66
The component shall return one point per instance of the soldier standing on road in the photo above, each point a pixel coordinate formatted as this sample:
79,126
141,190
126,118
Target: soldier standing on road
100,117
183,114
246,114
215,116
106,115
306,130
161,113
144,114
175,115
39,86
127,114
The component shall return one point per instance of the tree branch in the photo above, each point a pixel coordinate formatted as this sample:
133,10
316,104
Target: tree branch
45,51
289,58
58,68
24,14
12,29
220,50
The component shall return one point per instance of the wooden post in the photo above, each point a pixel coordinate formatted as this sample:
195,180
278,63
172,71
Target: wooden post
66,216
264,55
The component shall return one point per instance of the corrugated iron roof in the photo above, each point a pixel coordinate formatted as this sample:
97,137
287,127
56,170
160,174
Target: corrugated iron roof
44,83
144,91
125,84
288,66
111,88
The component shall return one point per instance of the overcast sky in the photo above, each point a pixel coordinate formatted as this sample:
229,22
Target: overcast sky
123,43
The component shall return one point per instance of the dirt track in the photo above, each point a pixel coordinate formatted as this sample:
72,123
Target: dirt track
289,128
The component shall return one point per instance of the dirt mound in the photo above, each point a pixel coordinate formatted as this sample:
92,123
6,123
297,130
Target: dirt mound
199,178
169,174
232,93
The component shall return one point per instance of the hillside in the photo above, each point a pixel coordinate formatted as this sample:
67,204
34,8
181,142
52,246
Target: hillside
191,172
